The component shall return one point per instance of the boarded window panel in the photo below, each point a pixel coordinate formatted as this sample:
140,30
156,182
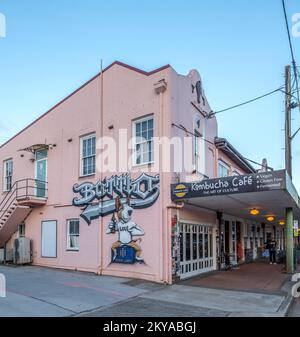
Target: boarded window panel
49,239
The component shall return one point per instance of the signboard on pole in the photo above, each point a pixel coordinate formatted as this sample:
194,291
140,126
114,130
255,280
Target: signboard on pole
296,228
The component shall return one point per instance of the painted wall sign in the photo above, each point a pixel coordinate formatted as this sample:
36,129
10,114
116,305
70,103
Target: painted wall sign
142,192
230,185
126,249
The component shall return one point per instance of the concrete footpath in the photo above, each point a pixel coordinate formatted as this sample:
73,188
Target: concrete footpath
34,291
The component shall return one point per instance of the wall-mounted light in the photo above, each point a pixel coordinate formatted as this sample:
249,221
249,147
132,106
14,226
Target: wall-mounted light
281,223
270,218
254,211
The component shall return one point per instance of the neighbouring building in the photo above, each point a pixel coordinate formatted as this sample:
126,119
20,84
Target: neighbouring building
141,222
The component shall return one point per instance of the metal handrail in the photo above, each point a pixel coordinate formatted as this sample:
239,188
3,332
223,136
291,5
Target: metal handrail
13,195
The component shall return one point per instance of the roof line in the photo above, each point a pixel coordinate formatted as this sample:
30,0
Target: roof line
84,85
223,143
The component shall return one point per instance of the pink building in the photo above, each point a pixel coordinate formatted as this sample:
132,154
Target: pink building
126,222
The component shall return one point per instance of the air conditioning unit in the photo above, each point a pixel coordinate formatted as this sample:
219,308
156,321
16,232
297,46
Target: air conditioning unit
8,257
22,251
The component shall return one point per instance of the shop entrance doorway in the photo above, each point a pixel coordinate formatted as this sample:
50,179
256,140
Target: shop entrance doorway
230,243
196,249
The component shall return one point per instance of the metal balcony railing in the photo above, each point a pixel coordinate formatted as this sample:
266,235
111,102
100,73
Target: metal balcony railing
23,190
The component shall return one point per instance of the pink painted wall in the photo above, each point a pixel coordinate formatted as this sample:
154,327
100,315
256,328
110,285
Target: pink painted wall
230,163
128,95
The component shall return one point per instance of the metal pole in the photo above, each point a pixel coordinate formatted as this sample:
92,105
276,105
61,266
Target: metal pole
101,162
288,121
289,232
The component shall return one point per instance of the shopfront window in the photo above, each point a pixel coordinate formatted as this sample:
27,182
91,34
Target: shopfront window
206,244
188,243
194,243
201,242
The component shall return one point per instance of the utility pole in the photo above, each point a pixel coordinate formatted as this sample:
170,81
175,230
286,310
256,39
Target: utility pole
288,120
288,166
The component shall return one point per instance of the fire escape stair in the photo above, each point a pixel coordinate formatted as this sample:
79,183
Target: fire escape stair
11,220
16,206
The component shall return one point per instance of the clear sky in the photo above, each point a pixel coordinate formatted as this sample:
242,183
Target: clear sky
239,47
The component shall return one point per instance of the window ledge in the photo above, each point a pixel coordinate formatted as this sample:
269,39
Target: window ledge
88,175
144,164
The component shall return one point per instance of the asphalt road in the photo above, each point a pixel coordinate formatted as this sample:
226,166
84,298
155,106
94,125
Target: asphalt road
34,291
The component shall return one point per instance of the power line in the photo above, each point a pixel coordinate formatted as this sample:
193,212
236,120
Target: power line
296,73
181,127
247,102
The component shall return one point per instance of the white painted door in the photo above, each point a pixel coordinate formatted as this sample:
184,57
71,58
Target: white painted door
196,249
49,239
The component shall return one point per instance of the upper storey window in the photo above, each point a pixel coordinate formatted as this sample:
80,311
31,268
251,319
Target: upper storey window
88,155
8,173
223,169
143,134
198,149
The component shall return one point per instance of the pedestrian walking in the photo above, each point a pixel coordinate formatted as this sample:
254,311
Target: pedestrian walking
271,245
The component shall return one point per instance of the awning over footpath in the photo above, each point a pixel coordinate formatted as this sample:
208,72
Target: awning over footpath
271,193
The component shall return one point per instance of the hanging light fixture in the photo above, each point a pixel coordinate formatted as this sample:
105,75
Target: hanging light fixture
282,223
270,218
254,211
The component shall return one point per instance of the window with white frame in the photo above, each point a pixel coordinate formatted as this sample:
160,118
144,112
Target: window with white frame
8,173
143,135
197,138
223,169
88,155
73,234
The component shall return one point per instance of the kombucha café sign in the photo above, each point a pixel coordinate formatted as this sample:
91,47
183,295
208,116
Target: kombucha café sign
230,185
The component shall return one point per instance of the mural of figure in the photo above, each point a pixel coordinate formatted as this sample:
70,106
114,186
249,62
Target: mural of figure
126,228
199,91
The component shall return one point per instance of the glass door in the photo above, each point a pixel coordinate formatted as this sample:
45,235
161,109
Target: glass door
196,249
234,243
41,173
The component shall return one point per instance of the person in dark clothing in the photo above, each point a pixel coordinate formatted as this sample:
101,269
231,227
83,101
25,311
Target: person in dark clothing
271,245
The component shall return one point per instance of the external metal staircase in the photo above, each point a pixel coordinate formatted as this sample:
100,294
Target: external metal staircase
18,203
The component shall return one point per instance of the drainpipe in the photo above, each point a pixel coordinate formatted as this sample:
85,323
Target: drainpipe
289,241
101,239
160,87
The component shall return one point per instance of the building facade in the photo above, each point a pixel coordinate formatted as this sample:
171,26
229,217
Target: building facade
123,221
